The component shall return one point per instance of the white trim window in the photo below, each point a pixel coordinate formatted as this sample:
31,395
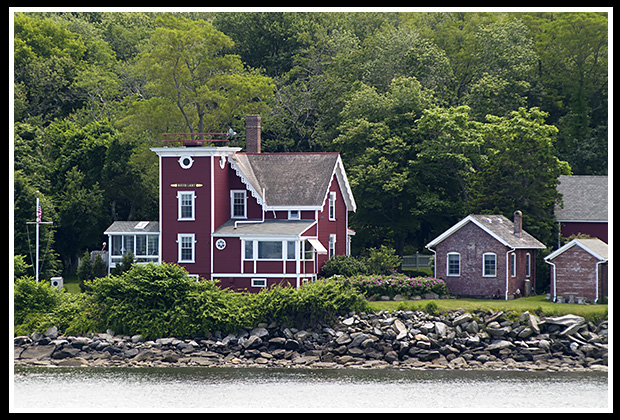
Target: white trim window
489,264
513,263
186,205
238,204
453,264
186,245
528,265
332,205
332,245
294,215
259,282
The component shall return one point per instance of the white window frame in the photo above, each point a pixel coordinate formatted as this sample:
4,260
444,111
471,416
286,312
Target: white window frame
232,204
332,245
294,215
513,263
192,240
484,256
528,265
262,282
451,254
332,206
180,196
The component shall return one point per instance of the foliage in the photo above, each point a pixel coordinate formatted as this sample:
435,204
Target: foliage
404,97
382,260
162,300
395,284
344,265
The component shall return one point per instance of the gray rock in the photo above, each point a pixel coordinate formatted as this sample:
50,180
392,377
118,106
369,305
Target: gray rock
461,319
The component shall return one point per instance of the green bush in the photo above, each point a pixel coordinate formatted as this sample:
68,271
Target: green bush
383,260
161,300
396,284
344,265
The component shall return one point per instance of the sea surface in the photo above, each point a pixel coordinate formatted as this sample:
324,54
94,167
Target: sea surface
187,389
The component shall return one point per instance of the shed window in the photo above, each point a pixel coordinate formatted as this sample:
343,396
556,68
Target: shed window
489,265
454,264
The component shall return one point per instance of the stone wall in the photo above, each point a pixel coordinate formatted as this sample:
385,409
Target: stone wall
400,339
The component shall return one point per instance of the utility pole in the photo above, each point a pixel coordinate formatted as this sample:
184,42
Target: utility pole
38,222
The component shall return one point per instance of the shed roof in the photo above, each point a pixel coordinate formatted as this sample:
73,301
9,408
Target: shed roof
594,246
499,227
584,197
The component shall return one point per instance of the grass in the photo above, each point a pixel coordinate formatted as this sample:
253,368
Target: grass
534,304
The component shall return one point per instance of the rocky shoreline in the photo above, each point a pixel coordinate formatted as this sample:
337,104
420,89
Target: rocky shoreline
484,340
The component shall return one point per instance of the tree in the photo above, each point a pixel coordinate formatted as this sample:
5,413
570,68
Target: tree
186,63
520,171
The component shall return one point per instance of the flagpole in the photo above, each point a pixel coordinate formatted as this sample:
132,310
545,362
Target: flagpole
38,221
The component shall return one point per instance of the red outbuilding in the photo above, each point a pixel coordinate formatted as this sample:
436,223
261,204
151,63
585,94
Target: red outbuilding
251,219
579,271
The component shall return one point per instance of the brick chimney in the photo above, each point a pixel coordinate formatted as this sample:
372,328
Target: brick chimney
252,133
518,224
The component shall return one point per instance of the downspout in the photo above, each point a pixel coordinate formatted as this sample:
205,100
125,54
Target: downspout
434,261
553,298
255,221
597,279
507,272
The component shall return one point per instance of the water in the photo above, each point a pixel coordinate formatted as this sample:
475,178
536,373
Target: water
249,389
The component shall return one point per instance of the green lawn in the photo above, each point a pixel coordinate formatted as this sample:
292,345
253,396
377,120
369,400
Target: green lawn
533,304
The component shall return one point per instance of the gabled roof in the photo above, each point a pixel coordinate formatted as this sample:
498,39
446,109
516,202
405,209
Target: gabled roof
292,180
584,197
594,246
132,227
499,227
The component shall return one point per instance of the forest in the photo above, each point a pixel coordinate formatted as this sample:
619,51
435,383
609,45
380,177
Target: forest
436,114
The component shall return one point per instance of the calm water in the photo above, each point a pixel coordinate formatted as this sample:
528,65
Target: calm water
246,389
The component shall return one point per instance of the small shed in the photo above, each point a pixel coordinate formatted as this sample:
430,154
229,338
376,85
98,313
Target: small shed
579,271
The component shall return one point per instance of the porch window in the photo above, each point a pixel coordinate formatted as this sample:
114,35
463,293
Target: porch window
489,265
269,250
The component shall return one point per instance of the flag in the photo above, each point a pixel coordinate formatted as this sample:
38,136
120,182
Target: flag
39,212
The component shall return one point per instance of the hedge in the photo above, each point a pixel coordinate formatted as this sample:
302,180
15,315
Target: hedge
395,284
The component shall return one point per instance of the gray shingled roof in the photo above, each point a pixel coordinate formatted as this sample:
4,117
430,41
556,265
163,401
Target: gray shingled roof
585,198
497,226
130,227
289,179
503,228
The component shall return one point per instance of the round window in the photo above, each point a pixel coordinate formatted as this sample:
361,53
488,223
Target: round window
186,162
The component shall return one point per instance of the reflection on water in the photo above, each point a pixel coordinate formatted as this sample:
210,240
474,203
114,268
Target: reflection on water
153,389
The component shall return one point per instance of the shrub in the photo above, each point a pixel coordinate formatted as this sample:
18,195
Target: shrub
397,284
344,265
383,260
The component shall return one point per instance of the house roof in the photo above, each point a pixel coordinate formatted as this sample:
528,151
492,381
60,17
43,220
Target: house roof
594,246
499,227
132,227
274,227
292,180
585,198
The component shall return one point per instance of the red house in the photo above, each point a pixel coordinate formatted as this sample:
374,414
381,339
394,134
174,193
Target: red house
487,256
252,219
579,271
584,208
